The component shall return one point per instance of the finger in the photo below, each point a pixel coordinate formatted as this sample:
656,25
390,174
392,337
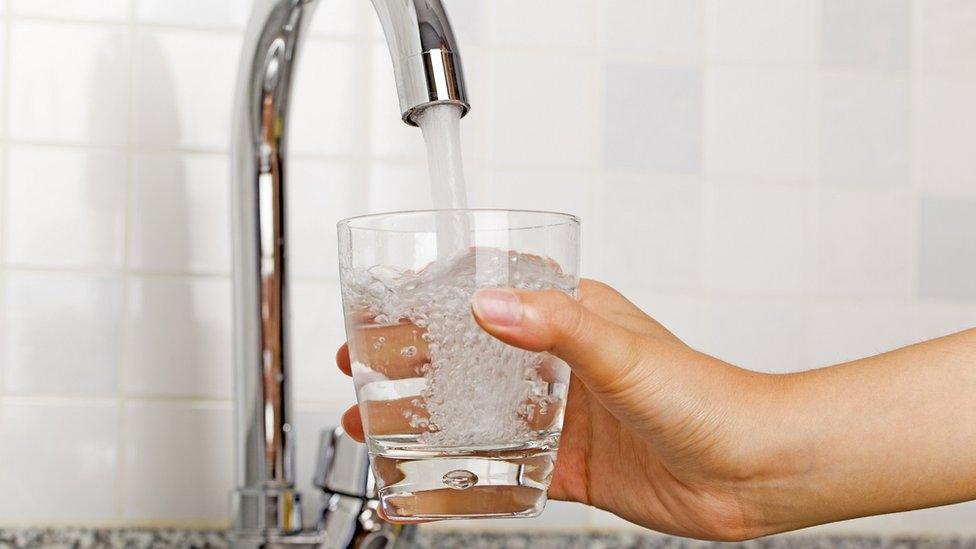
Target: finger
398,351
342,359
600,352
353,424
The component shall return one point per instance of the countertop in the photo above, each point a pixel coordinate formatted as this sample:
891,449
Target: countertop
159,539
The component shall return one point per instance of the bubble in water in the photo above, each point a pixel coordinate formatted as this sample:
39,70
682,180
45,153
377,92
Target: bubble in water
476,389
459,479
378,344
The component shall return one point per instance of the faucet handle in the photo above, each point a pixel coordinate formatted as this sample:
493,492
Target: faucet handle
342,465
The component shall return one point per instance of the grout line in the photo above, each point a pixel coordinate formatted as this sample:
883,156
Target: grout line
703,292
4,185
126,238
101,147
127,23
101,524
163,26
98,271
361,164
151,274
915,187
65,399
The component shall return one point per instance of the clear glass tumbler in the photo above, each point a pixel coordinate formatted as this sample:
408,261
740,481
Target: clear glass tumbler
458,424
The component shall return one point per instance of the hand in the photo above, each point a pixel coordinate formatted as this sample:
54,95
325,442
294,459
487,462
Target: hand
681,442
631,444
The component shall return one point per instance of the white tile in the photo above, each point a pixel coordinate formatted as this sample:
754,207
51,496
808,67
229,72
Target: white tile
864,132
178,338
388,134
59,461
758,122
530,190
95,10
559,128
938,318
178,462
756,239
320,194
863,243
947,249
342,18
653,118
69,82
398,187
761,30
682,315
179,217
61,334
536,23
654,27
317,333
213,13
654,239
944,521
944,125
947,42
867,33
469,21
309,421
4,68
841,332
65,207
329,101
761,335
183,98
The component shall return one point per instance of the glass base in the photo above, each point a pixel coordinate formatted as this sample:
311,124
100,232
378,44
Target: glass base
417,485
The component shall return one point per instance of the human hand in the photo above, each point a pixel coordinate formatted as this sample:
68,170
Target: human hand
678,441
658,449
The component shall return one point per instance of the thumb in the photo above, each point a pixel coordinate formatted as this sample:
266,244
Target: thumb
602,354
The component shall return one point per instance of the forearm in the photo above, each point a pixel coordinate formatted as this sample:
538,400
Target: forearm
887,433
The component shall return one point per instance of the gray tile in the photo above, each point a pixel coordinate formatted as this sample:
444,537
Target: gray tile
866,33
947,248
654,27
864,135
653,118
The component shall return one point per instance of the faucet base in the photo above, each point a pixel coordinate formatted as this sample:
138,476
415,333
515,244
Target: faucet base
265,512
304,540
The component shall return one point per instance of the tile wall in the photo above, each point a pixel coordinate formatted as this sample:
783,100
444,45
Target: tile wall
784,183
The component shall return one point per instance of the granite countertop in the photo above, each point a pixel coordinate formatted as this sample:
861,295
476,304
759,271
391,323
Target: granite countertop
159,539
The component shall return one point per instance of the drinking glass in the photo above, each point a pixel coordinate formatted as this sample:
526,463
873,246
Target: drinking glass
457,423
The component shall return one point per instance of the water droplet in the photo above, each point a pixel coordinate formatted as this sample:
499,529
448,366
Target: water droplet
408,351
459,479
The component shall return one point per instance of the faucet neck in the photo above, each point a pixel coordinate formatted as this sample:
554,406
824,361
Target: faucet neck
427,67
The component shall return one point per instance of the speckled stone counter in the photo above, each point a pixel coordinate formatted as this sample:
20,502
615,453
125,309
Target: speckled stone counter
160,539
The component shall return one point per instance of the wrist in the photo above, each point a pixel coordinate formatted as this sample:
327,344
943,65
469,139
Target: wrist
775,455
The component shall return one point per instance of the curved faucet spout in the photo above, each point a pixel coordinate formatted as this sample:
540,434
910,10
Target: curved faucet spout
427,67
426,62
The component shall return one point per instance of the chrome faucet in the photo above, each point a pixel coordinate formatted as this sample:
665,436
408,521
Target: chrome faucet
267,507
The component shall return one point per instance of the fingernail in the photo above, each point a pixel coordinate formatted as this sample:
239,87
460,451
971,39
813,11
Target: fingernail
499,307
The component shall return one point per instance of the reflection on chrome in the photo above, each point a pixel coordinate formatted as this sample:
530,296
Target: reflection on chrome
267,508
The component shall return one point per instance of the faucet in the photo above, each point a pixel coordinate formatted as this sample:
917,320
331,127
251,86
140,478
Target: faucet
267,507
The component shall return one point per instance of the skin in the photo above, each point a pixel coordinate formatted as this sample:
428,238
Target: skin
684,443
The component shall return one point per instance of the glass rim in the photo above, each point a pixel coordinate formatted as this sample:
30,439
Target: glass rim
562,218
